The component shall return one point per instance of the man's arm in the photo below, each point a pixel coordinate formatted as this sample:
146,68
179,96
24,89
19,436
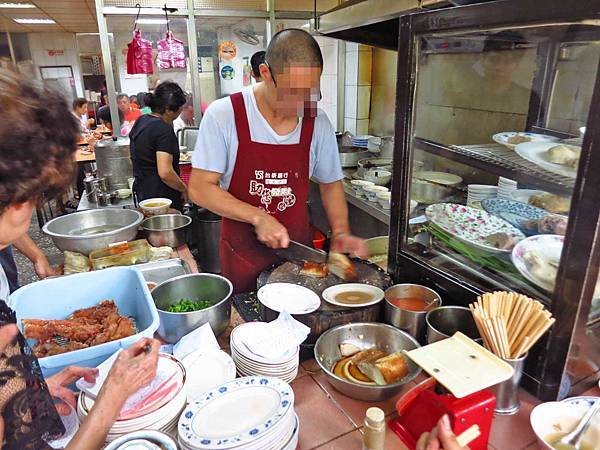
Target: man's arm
34,254
336,209
204,190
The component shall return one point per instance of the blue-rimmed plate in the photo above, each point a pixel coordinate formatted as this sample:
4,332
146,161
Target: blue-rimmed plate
515,213
236,413
585,401
510,139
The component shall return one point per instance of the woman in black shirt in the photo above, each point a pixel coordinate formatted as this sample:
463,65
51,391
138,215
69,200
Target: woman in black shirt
155,150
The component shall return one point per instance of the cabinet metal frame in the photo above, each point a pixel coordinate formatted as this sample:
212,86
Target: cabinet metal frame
578,270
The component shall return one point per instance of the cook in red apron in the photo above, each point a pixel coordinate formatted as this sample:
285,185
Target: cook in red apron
274,178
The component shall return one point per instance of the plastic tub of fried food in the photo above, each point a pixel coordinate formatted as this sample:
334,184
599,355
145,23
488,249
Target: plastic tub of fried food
73,316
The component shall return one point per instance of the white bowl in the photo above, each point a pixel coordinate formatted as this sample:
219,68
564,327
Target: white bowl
550,418
447,179
359,185
385,199
155,206
378,176
376,294
124,193
372,191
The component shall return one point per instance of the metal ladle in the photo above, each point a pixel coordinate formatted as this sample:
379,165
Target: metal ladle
572,441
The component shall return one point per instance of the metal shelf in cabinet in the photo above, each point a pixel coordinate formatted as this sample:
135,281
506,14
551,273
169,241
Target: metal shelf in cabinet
501,161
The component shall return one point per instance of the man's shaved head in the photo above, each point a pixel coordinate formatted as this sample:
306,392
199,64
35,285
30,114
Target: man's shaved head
293,47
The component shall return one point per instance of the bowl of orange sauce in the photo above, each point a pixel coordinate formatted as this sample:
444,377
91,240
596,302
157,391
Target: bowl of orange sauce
406,306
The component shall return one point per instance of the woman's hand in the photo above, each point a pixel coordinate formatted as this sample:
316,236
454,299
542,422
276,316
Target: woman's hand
7,335
440,438
43,269
134,368
57,384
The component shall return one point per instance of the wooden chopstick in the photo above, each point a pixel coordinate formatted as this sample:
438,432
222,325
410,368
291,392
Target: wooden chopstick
468,436
510,323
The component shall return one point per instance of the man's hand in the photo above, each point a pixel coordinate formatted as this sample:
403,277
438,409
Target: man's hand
347,243
440,438
43,269
270,232
57,384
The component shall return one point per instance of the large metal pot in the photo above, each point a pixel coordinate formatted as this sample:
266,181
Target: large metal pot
443,322
194,287
373,163
167,229
114,161
90,230
365,336
349,156
433,187
207,237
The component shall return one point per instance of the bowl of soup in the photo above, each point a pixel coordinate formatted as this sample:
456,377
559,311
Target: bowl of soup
406,306
155,206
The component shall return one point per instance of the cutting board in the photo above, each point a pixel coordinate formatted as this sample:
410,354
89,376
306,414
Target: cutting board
461,365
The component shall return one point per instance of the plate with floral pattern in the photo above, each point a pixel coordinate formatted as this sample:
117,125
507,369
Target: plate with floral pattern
471,225
515,213
237,413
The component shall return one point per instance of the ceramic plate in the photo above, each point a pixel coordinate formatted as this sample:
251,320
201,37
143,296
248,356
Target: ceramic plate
585,401
502,138
471,225
447,179
513,212
239,334
206,370
537,153
235,413
290,297
547,246
375,294
523,195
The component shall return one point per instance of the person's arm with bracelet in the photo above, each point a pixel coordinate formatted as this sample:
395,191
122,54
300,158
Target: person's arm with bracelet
164,163
33,253
205,191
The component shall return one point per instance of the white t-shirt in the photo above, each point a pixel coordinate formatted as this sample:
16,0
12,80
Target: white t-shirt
178,124
217,144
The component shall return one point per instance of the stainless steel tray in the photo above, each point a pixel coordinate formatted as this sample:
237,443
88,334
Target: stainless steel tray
160,271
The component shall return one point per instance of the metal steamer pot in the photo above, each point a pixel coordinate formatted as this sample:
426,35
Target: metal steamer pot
114,162
373,163
350,156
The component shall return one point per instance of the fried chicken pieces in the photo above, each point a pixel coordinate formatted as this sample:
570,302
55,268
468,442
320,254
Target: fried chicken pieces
84,328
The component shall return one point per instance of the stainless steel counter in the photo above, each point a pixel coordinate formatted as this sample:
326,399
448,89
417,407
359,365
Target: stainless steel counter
367,219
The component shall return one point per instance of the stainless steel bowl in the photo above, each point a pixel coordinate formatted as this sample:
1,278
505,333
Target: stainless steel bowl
364,335
90,230
349,156
194,287
167,229
413,322
443,322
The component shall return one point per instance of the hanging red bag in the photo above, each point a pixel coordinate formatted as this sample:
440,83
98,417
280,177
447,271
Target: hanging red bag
139,55
171,53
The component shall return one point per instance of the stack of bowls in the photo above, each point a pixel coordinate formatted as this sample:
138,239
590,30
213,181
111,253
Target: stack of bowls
361,141
478,192
251,413
506,187
248,363
371,192
358,186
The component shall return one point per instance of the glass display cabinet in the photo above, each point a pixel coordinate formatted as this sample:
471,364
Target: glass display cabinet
498,140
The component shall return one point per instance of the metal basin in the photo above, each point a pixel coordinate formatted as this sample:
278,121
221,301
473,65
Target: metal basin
194,287
444,321
168,229
364,335
86,231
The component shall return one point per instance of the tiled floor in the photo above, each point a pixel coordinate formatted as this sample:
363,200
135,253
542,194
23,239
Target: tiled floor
331,421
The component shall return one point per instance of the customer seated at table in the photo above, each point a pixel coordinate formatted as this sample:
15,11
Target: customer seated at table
130,115
32,165
104,117
142,99
80,111
155,150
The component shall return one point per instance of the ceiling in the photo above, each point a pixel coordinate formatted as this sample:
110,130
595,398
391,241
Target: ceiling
74,16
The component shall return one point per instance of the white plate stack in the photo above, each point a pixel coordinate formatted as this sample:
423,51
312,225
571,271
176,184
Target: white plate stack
361,140
478,192
506,187
249,363
250,413
164,401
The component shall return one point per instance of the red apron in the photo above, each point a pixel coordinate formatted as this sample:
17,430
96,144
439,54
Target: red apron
274,178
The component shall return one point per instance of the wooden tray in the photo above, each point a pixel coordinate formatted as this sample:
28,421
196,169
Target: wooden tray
460,365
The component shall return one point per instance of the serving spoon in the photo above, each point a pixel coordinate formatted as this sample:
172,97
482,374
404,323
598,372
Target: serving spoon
572,441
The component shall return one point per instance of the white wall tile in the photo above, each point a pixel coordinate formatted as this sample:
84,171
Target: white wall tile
351,102
329,60
362,126
350,125
351,47
351,69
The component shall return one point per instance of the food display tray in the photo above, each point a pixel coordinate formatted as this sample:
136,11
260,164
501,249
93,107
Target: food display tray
160,271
